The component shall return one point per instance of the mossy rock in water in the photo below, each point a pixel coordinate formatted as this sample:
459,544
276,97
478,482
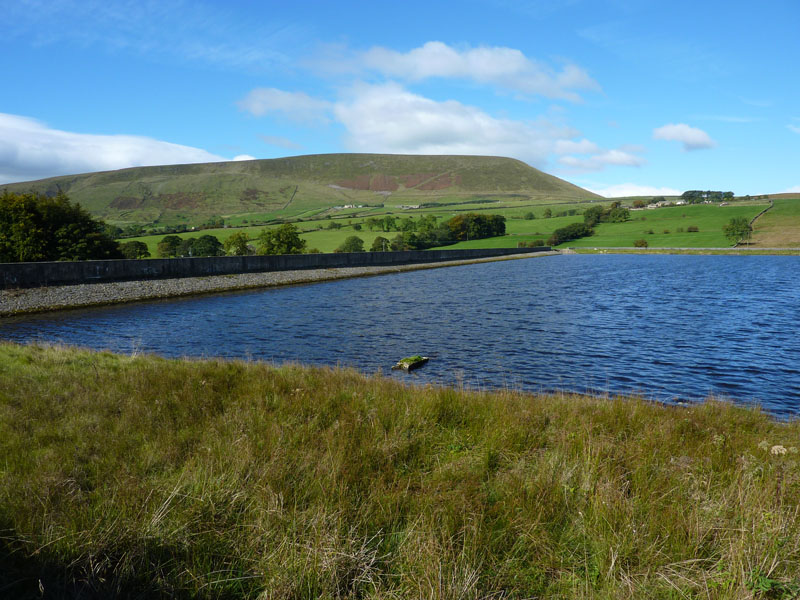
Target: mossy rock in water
411,362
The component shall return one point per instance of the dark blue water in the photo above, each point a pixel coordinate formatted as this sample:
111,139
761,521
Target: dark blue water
672,328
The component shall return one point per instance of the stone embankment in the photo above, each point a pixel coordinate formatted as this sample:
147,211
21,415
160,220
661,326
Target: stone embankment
31,300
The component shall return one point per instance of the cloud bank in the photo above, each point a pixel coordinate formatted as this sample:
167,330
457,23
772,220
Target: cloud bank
31,150
504,67
296,106
389,118
692,138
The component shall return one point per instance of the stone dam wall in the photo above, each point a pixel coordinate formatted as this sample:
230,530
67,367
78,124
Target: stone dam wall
36,274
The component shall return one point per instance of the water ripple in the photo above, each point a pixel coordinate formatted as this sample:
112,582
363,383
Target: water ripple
665,327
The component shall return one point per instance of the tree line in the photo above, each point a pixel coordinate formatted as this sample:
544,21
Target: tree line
41,228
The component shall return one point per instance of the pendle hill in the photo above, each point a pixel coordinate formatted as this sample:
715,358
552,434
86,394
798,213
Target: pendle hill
304,187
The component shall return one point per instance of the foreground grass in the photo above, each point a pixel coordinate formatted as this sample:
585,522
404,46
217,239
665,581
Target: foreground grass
141,477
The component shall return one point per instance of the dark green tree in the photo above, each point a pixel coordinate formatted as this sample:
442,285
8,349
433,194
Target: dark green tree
134,249
37,228
474,226
408,224
236,244
389,223
569,233
168,246
207,245
281,240
738,230
352,243
379,244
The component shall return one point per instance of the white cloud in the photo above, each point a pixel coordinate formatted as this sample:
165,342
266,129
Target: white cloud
583,146
30,150
296,106
606,158
795,128
623,190
691,137
240,157
792,190
505,67
280,142
388,118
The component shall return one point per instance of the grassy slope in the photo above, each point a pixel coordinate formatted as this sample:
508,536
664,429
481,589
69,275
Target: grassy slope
779,227
294,186
708,218
207,479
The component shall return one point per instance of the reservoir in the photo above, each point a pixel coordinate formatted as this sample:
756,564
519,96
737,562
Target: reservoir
669,328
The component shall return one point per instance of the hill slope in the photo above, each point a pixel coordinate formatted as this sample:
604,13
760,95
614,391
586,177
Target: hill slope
302,185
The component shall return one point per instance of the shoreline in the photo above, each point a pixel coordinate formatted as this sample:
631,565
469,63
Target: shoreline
25,301
734,251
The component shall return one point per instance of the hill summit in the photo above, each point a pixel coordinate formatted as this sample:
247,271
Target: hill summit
300,186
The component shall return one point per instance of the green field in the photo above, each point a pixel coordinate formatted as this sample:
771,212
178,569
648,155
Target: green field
709,219
139,477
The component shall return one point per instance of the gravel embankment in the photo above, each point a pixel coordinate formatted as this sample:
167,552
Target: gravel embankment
31,300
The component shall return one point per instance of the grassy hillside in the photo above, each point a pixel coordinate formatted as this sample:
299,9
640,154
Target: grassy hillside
261,190
779,227
136,476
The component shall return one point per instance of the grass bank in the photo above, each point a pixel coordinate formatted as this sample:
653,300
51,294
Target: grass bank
136,476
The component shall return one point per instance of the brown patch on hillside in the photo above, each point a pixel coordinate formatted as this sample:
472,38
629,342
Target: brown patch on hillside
253,196
414,180
180,200
440,183
126,202
383,183
359,183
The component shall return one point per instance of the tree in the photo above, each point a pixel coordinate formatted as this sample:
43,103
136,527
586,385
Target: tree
738,230
134,249
389,223
168,246
379,244
408,224
529,216
473,226
569,233
352,243
548,213
399,243
208,245
37,228
236,244
281,240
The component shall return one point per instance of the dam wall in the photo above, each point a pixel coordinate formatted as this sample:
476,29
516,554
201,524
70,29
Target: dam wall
37,274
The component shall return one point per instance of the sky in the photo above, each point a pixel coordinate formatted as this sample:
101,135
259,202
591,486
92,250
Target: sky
622,97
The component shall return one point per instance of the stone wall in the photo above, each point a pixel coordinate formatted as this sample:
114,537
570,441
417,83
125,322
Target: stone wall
22,275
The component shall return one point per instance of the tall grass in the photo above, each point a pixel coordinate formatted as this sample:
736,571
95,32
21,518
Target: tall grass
142,477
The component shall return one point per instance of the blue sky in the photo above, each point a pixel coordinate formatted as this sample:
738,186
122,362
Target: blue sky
620,97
